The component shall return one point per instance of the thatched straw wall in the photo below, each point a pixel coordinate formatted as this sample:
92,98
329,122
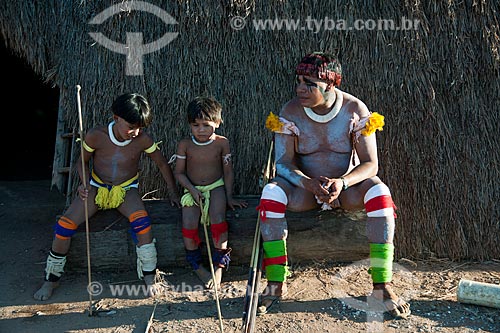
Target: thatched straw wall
438,87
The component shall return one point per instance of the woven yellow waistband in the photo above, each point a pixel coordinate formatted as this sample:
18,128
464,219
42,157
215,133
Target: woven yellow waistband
187,199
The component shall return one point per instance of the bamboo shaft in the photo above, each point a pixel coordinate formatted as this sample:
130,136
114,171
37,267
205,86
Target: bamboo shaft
252,292
478,293
87,231
207,240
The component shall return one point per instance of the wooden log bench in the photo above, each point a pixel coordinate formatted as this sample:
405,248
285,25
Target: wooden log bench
313,235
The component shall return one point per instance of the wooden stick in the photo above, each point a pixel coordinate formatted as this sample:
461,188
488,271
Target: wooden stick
212,271
113,223
87,232
255,295
150,321
252,290
252,281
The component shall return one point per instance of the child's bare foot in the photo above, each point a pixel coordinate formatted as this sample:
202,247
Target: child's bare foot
221,261
45,291
205,276
218,276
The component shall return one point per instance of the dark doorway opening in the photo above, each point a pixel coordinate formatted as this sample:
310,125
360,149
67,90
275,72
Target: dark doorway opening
29,119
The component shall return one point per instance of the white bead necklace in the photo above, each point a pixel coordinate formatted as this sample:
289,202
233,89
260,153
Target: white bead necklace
114,139
201,143
330,115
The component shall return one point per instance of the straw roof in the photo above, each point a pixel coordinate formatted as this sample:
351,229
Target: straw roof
438,87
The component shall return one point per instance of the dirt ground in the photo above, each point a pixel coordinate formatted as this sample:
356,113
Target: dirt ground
323,296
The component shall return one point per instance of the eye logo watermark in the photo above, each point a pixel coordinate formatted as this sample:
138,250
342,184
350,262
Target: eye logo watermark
134,48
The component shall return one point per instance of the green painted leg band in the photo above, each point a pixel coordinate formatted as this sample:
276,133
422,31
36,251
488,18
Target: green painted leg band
275,260
277,273
381,257
274,249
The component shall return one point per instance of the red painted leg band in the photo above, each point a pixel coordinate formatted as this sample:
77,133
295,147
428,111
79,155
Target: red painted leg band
270,206
191,234
217,230
282,260
380,202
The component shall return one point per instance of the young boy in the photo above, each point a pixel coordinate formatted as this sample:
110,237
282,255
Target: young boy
115,151
205,170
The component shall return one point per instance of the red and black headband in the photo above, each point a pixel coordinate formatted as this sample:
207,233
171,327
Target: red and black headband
322,66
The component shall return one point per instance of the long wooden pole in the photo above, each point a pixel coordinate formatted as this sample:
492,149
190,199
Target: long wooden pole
252,290
219,314
252,283
87,233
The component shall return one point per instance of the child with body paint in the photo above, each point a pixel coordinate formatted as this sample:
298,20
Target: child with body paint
205,170
115,151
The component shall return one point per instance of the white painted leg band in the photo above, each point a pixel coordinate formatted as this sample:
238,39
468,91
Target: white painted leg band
375,191
275,193
377,203
381,212
55,265
146,258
